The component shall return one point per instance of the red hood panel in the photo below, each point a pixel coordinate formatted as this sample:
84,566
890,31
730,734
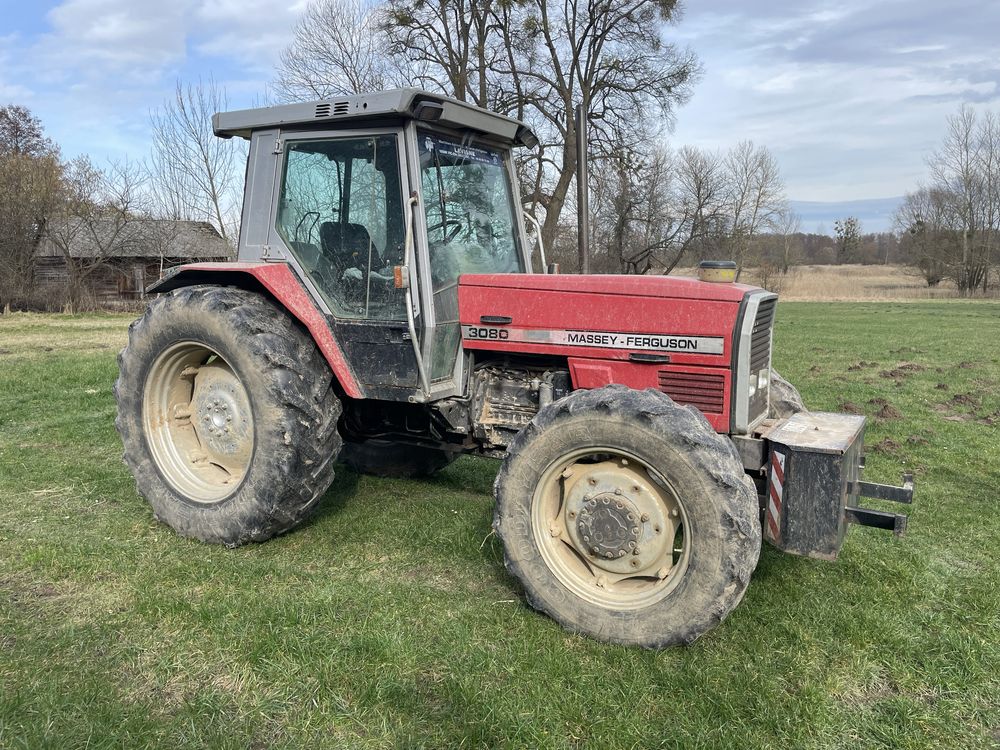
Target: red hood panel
678,287
569,315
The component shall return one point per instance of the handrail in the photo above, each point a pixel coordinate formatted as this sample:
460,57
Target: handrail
407,260
538,235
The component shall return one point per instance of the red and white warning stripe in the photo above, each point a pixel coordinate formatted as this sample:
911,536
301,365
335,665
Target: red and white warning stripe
774,495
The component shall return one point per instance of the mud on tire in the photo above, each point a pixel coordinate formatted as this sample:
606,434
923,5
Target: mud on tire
680,451
287,388
384,458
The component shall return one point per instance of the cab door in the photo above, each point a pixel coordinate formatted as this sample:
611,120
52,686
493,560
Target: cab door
340,213
469,218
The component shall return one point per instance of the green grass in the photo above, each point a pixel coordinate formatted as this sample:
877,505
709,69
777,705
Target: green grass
389,621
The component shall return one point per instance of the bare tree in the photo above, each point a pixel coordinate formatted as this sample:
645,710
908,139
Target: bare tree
755,197
339,47
30,174
930,235
97,220
533,60
788,224
196,175
965,169
652,211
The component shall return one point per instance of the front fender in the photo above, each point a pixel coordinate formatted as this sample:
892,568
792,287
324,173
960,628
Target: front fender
279,282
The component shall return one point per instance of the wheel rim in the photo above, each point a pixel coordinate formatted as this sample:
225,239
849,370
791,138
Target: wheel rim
198,422
610,528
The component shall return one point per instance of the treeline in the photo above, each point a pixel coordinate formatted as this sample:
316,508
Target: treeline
950,226
94,214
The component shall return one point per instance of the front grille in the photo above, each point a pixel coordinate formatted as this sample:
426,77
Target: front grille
760,338
706,392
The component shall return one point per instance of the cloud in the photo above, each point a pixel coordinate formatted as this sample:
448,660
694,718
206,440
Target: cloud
850,95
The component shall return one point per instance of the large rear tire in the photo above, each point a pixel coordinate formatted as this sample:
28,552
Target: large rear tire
384,458
228,415
627,518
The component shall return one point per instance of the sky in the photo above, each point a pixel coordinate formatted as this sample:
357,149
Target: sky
851,96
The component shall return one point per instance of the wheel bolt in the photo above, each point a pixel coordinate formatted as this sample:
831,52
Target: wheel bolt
618,490
645,517
608,555
675,512
635,551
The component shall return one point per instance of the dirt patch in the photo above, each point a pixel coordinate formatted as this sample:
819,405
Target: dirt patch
967,365
885,409
942,386
815,368
861,366
916,440
902,370
965,399
887,446
990,419
849,407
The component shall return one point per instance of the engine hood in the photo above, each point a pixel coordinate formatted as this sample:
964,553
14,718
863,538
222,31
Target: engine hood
676,287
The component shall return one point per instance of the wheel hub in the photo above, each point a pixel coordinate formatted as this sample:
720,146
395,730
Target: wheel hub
221,414
609,525
616,519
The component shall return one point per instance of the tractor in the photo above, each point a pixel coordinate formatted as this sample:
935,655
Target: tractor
388,312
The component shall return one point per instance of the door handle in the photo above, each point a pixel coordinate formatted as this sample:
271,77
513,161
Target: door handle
500,320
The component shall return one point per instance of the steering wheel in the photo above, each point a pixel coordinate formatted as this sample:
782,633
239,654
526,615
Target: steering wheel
449,234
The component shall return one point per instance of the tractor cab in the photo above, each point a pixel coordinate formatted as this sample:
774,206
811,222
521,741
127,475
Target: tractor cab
379,203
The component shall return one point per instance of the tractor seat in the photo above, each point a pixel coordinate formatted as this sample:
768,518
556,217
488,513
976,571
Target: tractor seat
346,245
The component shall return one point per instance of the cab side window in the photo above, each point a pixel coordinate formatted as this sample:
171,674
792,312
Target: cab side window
340,212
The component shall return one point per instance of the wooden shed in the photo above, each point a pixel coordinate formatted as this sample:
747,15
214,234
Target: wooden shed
117,261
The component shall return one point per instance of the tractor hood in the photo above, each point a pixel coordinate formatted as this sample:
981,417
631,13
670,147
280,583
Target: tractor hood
604,317
678,287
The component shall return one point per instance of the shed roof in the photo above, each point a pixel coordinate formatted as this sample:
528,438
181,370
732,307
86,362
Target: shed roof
139,238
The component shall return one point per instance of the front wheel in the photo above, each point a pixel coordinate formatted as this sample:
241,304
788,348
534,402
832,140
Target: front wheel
627,518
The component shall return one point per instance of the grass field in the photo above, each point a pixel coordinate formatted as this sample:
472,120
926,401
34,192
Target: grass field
389,621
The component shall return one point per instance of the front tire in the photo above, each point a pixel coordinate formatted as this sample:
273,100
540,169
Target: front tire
627,518
227,413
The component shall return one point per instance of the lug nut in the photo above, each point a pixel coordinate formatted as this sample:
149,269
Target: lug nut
644,518
618,490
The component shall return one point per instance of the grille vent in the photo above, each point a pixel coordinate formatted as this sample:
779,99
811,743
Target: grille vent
325,109
705,392
760,339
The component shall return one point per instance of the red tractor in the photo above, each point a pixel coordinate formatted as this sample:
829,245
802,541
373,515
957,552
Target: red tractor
384,313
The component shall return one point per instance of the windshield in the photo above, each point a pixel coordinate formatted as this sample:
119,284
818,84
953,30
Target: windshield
468,206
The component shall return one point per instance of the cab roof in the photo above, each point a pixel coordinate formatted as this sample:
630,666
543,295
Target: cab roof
394,104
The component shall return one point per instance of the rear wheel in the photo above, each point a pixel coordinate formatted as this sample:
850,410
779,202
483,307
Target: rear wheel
227,413
627,518
384,458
